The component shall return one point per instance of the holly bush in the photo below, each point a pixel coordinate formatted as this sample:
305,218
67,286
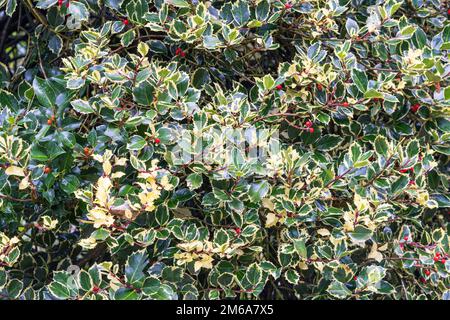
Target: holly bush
260,149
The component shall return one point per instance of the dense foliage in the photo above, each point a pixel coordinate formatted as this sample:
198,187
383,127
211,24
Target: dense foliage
261,149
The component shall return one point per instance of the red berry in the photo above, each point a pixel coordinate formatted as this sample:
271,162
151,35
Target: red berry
344,104
125,22
308,124
427,272
423,280
180,52
87,151
448,12
443,260
438,254
436,258
67,4
60,2
47,170
157,140
288,6
238,231
415,107
95,289
355,278
405,238
279,87
319,87
412,182
311,130
49,122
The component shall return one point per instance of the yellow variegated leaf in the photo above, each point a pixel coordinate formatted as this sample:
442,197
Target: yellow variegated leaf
107,167
100,217
88,243
165,183
422,198
49,223
375,254
323,232
120,161
117,175
98,157
361,203
271,220
15,171
267,203
204,262
103,186
24,183
191,246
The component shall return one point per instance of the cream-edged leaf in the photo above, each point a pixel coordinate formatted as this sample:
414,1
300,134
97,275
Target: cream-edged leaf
15,171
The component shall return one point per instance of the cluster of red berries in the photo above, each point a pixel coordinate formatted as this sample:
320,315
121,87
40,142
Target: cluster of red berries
402,244
415,107
406,170
308,125
87,151
378,100
438,257
51,120
180,52
47,170
60,3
